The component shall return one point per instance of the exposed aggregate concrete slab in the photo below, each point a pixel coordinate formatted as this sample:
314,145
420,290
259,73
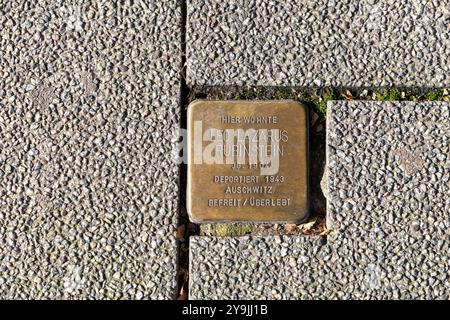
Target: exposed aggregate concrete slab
388,168
319,43
276,267
400,267
88,193
304,267
388,213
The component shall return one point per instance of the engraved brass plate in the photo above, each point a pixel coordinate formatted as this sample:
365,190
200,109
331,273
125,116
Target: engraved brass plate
247,161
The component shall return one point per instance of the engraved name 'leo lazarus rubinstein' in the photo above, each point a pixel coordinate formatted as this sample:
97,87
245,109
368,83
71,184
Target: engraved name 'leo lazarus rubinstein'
238,146
247,161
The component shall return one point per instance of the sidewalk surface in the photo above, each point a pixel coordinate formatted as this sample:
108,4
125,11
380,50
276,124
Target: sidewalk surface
89,194
388,181
91,94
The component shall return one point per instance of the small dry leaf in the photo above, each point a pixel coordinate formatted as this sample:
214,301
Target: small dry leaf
182,285
289,228
183,294
445,95
347,95
181,231
308,226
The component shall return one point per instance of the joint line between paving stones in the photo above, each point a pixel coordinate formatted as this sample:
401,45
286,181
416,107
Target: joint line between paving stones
183,259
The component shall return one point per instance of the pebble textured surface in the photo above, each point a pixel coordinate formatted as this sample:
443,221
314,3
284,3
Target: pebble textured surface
388,172
319,43
88,194
388,209
277,267
389,168
305,267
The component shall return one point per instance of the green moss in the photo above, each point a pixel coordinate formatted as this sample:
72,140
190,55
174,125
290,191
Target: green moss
316,99
239,95
279,94
434,95
388,95
320,99
184,247
215,97
231,230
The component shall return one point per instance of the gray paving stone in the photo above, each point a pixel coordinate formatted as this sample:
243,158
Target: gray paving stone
388,186
276,267
296,267
89,194
318,43
388,168
400,267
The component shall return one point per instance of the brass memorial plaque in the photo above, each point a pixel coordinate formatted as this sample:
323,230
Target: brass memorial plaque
247,161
